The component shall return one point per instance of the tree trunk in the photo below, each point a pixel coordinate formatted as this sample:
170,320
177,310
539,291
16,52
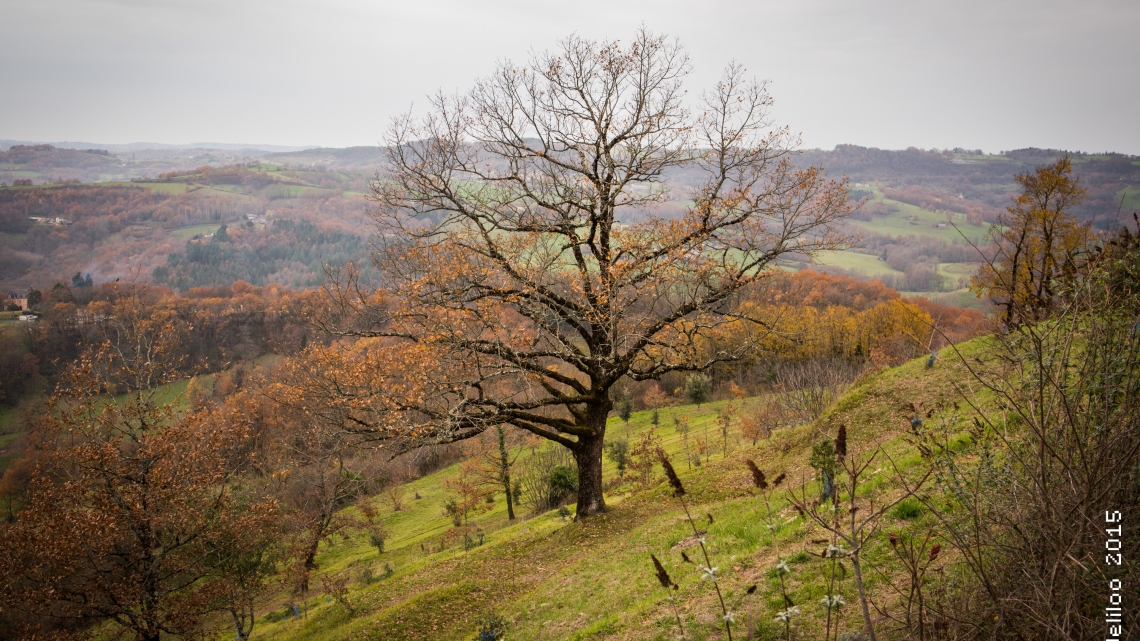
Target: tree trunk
855,565
588,455
505,462
310,563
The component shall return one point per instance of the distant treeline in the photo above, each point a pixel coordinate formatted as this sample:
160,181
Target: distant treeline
48,158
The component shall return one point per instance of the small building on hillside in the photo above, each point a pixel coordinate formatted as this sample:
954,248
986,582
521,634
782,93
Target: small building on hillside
19,297
54,221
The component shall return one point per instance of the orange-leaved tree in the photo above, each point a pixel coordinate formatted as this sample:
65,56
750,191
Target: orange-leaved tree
1035,242
130,509
533,255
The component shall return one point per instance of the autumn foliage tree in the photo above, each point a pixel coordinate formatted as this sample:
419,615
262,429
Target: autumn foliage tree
513,292
1035,242
132,501
469,499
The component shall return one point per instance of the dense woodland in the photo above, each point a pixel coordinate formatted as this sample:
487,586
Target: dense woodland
284,251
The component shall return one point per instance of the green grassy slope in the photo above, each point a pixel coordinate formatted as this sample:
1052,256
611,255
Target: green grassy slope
865,263
921,222
564,580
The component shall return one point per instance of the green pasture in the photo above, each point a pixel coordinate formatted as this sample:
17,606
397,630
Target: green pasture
555,579
8,416
186,233
1129,199
957,298
163,188
10,435
921,222
230,189
154,186
865,263
223,191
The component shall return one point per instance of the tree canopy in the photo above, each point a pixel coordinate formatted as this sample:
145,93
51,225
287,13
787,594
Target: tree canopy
515,293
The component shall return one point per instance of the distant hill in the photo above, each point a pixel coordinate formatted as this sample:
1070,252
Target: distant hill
43,163
919,210
162,229
139,146
369,159
988,180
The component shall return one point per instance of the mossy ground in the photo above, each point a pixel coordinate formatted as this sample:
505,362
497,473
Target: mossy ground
555,579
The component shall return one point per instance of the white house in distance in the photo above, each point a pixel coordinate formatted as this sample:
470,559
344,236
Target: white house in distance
54,221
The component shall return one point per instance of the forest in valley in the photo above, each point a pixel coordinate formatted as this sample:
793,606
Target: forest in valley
555,378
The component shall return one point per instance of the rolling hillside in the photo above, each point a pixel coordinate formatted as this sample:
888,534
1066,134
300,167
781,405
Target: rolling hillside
552,578
922,211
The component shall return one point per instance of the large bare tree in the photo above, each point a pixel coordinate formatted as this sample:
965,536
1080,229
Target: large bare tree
513,294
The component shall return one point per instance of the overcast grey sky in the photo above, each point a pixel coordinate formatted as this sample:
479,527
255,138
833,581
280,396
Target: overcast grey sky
995,75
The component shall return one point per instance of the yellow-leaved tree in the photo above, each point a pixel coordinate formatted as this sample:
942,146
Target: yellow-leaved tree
1034,243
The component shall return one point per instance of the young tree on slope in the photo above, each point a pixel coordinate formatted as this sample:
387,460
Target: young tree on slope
512,292
1035,242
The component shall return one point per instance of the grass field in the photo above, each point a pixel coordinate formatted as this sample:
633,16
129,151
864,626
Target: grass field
186,233
957,298
9,436
11,240
1129,197
223,191
958,269
163,188
871,267
555,579
867,264
912,220
158,187
7,416
957,274
920,222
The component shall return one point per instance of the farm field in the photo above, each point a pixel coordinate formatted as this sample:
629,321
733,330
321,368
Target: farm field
157,187
912,220
9,436
12,240
867,264
1129,197
957,298
186,233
